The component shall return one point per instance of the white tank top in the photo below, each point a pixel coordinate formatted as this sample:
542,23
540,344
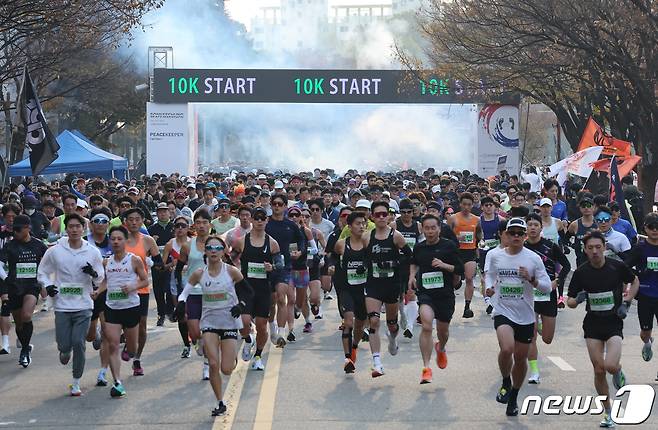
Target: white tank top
219,297
119,274
550,231
194,261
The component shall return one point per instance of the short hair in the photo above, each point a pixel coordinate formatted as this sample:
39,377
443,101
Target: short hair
280,196
593,234
603,208
119,228
202,213
533,217
101,210
345,208
73,216
428,217
69,196
316,202
244,208
379,203
11,207
467,196
354,216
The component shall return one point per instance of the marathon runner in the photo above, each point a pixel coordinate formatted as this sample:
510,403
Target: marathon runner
489,222
602,281
410,230
162,232
314,261
581,226
616,243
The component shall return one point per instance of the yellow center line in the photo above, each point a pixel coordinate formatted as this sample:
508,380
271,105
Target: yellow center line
232,395
265,408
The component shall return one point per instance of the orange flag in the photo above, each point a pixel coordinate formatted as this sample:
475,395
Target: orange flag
624,168
595,136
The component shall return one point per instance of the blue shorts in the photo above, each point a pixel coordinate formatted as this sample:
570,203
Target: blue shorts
283,276
300,278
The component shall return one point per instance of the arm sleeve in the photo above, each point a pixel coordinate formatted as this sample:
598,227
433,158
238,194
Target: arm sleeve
627,274
314,247
244,291
564,262
633,259
182,297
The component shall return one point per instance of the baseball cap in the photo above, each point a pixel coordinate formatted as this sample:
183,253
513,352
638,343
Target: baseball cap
191,185
436,189
29,202
278,185
363,203
133,190
261,176
433,205
82,204
162,205
518,223
545,201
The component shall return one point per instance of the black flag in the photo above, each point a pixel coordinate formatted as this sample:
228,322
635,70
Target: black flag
40,141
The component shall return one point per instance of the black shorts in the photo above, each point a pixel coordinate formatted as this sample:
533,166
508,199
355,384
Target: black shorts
126,318
143,304
603,328
259,305
548,308
223,334
283,276
482,258
99,305
388,292
352,299
647,310
16,300
193,307
523,333
466,255
314,272
443,307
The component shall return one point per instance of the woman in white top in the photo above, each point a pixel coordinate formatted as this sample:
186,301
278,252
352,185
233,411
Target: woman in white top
124,275
224,293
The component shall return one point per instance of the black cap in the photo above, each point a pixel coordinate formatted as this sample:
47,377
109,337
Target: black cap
21,221
433,205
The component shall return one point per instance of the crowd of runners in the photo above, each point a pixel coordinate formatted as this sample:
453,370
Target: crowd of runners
235,260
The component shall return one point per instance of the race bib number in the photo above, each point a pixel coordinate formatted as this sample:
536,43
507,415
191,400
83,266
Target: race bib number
601,302
117,295
511,291
652,263
541,297
26,270
70,290
491,243
411,241
292,247
256,271
215,297
432,280
378,272
466,237
354,278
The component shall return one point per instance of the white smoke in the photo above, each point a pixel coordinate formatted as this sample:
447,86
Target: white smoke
301,137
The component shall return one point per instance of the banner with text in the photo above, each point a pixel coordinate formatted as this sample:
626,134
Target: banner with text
168,146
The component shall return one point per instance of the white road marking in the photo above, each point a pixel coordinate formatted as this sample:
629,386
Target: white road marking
561,364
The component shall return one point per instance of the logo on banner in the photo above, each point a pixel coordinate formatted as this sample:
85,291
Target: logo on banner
500,123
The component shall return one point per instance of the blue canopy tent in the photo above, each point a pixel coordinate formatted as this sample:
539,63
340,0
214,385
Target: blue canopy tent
77,154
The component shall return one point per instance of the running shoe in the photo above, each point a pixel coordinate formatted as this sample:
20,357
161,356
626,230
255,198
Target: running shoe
606,422
117,390
377,371
441,357
25,357
534,378
349,366
468,313
273,332
247,349
101,380
489,309
124,354
205,373
161,320
75,389
512,409
647,353
257,364
5,347
656,377
219,410
392,344
341,327
198,346
137,368
308,328
280,342
64,357
366,336
315,309
560,302
298,312
186,352
291,336
503,395
619,379
426,376
407,333
318,316
172,318
96,343
328,296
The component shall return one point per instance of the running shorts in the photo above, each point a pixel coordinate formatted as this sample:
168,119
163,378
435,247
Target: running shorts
282,276
99,305
314,272
261,302
126,318
647,310
443,307
384,293
223,334
548,308
16,300
467,255
352,299
523,333
300,278
143,304
602,328
193,307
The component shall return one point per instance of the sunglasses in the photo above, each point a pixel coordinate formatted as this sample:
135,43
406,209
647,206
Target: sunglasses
486,205
224,206
603,219
406,211
294,215
214,248
181,225
278,204
652,226
125,205
586,205
380,214
344,215
260,218
100,221
516,233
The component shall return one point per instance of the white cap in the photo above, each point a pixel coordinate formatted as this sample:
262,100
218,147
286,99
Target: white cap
436,189
516,222
278,185
82,204
133,190
363,203
261,176
545,201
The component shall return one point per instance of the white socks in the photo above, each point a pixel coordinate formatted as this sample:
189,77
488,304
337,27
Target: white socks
411,309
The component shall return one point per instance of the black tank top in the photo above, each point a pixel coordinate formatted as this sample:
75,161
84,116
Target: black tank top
410,234
578,243
252,261
353,272
384,258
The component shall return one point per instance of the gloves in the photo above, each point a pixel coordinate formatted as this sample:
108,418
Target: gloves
581,297
279,262
52,290
89,270
622,310
180,310
238,310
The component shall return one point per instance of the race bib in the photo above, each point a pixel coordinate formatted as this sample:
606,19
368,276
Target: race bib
292,247
491,243
541,297
26,270
601,302
511,291
215,297
256,270
354,278
161,249
432,280
70,289
652,263
117,295
411,241
378,272
466,237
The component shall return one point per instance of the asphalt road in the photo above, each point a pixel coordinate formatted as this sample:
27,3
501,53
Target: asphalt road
304,386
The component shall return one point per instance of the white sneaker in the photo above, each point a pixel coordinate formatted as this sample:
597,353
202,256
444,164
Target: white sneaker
274,332
392,343
377,370
257,364
75,389
534,378
205,374
247,349
5,347
44,308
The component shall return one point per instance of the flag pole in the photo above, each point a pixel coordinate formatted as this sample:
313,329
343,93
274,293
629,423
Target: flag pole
612,160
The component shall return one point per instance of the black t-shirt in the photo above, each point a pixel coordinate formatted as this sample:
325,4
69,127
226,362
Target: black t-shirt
22,260
604,286
433,281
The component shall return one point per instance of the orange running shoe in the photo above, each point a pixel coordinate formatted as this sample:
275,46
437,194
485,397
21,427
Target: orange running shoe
426,377
441,357
353,357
